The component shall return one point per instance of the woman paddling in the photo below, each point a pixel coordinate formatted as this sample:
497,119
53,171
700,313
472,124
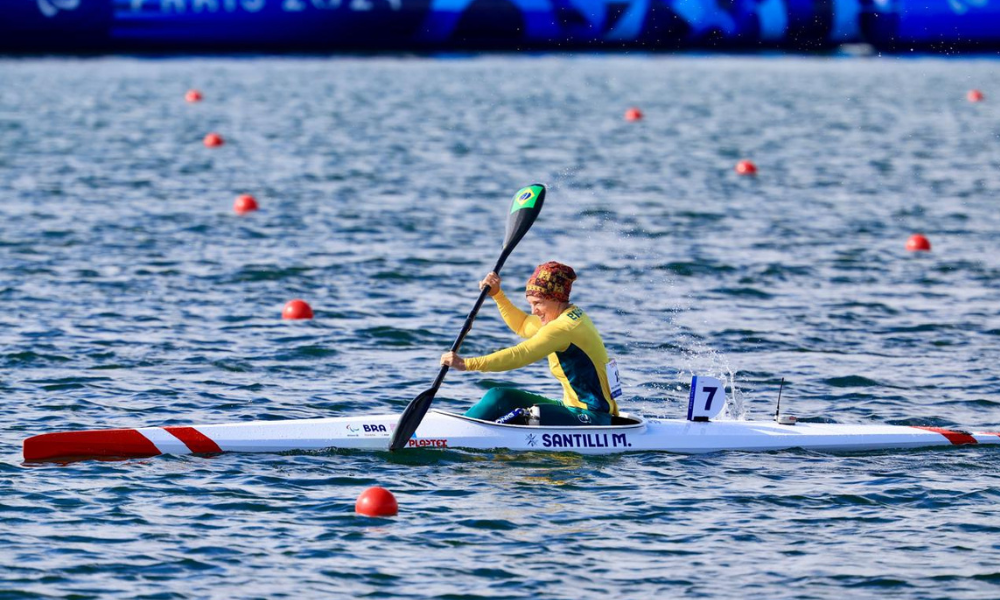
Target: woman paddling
559,330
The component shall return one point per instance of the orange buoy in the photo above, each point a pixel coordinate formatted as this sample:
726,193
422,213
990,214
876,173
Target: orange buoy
193,96
245,203
297,309
376,502
746,167
213,140
974,96
633,114
918,243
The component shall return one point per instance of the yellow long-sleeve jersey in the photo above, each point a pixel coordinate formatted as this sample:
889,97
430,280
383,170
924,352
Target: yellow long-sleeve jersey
577,357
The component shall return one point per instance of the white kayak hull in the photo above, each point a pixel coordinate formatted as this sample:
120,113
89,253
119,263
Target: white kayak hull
441,429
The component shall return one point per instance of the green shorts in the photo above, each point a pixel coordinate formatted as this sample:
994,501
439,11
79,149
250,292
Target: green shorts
500,401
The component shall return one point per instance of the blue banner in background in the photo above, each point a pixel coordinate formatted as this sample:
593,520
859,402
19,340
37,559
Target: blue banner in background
54,25
442,25
938,25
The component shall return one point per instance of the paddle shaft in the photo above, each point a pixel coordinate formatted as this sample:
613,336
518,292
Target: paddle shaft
418,407
524,210
467,327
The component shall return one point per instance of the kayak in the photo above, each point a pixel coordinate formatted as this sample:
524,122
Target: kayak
696,434
442,429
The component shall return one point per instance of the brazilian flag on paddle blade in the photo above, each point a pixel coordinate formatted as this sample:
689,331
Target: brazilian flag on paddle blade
523,212
527,197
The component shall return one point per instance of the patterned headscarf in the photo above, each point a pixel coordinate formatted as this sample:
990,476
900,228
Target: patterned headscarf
552,281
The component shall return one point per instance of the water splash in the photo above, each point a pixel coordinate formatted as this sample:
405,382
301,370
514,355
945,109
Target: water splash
701,359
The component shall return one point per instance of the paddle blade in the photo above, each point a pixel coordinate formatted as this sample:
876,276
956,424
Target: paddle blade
411,418
524,210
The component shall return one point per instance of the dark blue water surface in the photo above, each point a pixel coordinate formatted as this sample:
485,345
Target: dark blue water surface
132,295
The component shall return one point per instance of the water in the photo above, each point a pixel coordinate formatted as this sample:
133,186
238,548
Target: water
133,296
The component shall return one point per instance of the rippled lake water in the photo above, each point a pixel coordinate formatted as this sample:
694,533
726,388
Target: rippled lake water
132,295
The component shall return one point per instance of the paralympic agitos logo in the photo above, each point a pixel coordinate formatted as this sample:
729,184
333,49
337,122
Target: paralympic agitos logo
51,8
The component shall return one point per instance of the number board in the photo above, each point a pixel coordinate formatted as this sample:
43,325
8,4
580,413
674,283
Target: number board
708,396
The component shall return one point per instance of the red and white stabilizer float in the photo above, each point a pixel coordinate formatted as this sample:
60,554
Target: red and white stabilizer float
440,429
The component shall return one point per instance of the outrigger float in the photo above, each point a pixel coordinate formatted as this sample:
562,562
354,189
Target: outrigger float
698,433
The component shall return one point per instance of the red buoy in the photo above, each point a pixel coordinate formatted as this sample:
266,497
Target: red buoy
746,167
297,309
213,140
245,203
193,96
974,96
376,502
918,243
633,114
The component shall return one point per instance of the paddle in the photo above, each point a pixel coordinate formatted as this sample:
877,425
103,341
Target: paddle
523,212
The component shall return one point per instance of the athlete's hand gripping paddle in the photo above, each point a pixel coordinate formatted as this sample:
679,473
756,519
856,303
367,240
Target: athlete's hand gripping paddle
523,212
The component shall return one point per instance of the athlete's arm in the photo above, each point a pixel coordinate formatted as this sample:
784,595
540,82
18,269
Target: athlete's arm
549,339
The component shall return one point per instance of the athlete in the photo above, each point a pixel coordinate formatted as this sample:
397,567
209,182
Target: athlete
559,330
